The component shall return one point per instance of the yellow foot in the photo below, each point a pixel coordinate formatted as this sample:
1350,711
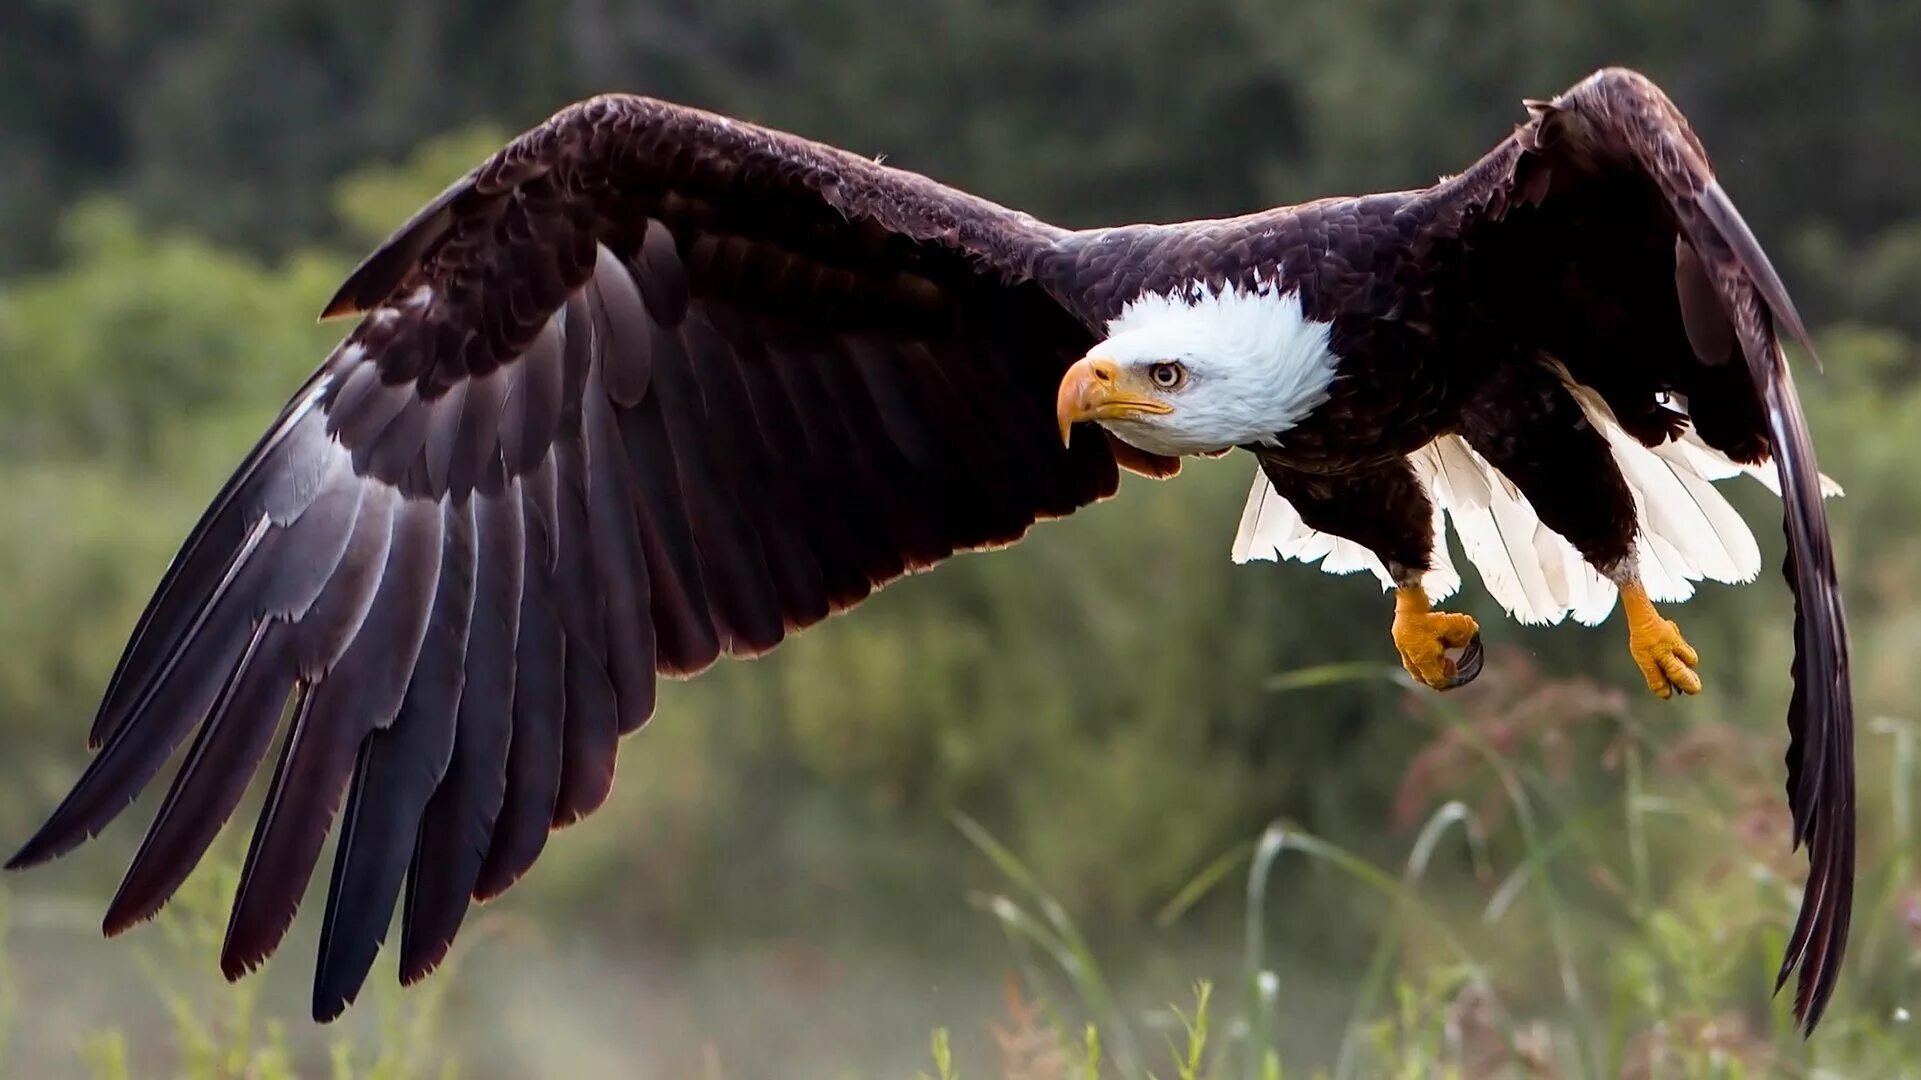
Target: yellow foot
1426,638
1666,660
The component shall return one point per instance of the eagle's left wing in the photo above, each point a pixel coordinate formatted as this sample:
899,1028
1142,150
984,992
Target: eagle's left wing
1598,228
648,387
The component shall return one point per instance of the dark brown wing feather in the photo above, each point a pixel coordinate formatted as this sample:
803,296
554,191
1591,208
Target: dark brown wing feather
1610,238
647,387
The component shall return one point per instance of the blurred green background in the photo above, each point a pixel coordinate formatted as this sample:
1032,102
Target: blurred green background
779,886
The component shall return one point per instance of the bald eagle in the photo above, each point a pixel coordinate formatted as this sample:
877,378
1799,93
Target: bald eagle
651,385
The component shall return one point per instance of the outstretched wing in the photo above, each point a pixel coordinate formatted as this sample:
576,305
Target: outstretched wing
1599,230
646,387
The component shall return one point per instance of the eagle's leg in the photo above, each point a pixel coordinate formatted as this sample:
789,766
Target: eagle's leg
1665,658
1430,641
1385,509
1526,424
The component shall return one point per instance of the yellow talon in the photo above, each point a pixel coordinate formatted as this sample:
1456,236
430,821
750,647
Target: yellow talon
1665,658
1424,637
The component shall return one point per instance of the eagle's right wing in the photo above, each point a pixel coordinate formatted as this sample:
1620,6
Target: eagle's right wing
1599,230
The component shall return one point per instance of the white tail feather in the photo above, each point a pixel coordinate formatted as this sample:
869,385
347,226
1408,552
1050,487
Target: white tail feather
1688,531
1272,529
1715,465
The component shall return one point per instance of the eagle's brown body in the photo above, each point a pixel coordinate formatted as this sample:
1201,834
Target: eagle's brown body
652,385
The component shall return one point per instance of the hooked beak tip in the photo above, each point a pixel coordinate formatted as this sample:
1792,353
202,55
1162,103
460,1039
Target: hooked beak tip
1073,403
1096,389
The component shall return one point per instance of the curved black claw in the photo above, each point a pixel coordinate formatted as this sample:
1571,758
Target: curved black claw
1468,664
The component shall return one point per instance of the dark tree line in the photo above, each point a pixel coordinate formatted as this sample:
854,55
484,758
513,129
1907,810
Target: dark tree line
235,119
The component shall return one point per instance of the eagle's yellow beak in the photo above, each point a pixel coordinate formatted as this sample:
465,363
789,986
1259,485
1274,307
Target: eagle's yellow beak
1096,388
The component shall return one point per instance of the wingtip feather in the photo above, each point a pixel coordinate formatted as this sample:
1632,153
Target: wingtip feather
55,838
342,305
122,916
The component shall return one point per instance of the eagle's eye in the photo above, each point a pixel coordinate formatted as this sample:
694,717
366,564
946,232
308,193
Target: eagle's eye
1168,375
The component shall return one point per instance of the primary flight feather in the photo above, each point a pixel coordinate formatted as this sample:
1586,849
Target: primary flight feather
652,385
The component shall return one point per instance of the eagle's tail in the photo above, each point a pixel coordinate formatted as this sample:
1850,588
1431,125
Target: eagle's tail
1688,529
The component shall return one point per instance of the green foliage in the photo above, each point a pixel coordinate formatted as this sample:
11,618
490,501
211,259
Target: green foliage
139,331
1188,1058
943,1058
1686,948
217,1031
372,202
236,118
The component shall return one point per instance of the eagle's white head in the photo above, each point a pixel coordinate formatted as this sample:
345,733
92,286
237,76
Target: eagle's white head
1196,371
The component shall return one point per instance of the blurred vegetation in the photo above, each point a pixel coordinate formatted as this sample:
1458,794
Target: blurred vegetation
1674,987
777,878
218,1032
